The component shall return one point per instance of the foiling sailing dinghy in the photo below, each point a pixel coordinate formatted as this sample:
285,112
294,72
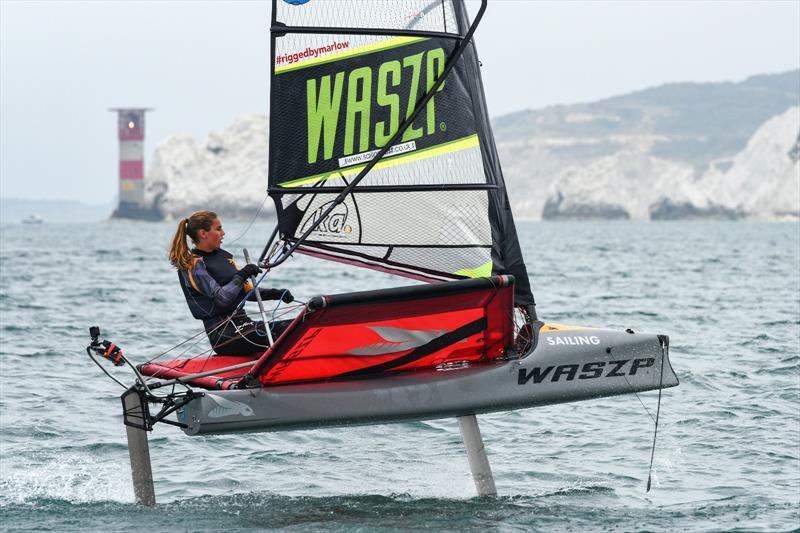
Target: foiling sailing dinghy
381,156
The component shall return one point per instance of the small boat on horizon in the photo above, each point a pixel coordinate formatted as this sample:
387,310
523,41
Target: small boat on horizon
33,219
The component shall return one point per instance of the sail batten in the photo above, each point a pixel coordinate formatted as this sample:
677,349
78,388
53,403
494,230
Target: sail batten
382,155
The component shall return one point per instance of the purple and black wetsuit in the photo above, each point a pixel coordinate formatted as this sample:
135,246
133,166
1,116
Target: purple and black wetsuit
213,289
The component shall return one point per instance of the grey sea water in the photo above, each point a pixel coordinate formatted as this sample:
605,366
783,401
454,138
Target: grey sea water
728,451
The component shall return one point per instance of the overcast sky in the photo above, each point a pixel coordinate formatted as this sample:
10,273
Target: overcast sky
201,64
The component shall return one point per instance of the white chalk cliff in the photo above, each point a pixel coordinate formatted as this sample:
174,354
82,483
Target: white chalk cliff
227,173
762,182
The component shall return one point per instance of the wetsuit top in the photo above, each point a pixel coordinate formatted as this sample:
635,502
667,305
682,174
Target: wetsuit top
213,289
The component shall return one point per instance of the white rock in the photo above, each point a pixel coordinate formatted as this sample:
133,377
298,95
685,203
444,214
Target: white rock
764,181
226,174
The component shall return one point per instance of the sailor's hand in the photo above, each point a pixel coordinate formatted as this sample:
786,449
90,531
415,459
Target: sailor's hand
249,270
287,297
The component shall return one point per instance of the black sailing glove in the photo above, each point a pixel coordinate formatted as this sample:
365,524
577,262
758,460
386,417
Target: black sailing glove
277,294
245,273
249,270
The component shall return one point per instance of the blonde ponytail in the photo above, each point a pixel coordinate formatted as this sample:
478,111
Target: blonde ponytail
179,254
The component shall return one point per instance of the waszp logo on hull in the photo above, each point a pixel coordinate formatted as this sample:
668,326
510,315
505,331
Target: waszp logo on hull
607,369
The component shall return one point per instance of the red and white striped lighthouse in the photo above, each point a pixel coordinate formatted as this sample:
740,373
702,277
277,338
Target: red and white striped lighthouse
130,129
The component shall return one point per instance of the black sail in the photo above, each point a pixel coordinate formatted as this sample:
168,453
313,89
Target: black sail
345,77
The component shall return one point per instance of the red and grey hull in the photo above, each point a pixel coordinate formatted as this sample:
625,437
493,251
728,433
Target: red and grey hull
567,365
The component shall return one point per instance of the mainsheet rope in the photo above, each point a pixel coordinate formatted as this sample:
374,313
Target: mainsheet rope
252,221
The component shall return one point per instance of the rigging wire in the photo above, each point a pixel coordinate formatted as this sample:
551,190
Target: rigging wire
198,334
165,352
252,221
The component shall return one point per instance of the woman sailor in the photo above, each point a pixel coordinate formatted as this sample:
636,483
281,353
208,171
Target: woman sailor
214,287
